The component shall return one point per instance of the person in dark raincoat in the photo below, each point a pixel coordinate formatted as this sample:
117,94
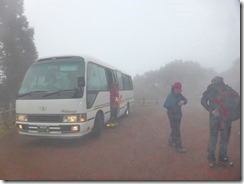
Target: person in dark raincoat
217,125
173,103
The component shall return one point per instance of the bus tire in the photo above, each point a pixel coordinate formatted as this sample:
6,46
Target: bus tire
127,110
98,124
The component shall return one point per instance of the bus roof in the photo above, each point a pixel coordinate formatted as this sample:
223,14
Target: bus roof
87,58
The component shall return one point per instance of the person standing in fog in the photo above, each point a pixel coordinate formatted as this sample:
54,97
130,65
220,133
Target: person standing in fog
173,103
217,124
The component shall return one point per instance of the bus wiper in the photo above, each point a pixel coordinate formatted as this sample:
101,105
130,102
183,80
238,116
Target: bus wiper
56,92
25,94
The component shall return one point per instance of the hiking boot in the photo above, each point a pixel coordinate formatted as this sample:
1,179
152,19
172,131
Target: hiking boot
113,124
225,163
212,164
172,144
181,150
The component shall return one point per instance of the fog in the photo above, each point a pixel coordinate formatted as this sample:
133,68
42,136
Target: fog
140,35
158,42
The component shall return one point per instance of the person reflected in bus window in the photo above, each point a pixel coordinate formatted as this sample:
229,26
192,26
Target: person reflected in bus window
114,99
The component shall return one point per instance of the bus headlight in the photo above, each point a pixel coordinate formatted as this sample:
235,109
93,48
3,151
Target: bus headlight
74,128
70,119
20,126
74,118
21,118
82,118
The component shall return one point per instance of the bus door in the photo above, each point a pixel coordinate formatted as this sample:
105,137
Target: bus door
112,79
121,93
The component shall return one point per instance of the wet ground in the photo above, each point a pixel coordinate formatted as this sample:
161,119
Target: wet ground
136,149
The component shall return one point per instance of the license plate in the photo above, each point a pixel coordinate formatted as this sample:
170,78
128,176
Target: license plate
43,129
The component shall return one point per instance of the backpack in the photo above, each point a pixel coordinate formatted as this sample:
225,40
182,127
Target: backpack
227,102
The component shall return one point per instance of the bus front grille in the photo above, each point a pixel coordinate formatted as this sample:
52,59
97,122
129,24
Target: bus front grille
45,118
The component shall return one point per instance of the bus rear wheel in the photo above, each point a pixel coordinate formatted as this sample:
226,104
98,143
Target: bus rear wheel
127,110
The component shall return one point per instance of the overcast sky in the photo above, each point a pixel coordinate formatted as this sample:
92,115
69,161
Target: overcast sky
138,35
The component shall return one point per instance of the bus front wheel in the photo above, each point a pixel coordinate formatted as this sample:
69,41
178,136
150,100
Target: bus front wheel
98,124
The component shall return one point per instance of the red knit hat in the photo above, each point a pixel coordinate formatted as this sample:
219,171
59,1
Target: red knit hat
177,87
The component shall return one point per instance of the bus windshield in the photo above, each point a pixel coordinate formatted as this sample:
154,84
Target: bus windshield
49,79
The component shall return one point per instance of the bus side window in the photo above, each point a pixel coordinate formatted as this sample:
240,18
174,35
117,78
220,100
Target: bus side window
92,81
110,78
131,83
102,79
96,82
120,80
92,78
126,80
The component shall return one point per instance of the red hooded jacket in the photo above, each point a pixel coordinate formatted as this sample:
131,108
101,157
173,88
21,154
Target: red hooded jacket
114,94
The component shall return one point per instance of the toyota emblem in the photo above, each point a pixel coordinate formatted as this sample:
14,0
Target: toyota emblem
43,108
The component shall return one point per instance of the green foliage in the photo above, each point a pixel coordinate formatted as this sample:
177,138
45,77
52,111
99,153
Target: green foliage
17,49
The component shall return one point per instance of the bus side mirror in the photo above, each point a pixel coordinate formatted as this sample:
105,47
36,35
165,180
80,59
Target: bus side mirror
81,82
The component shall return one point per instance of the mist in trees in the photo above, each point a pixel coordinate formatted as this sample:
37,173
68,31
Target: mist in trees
156,85
232,76
17,49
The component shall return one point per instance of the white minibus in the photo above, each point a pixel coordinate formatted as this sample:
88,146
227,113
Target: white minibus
68,97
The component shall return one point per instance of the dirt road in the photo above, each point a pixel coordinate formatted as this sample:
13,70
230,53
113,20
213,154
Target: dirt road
136,149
